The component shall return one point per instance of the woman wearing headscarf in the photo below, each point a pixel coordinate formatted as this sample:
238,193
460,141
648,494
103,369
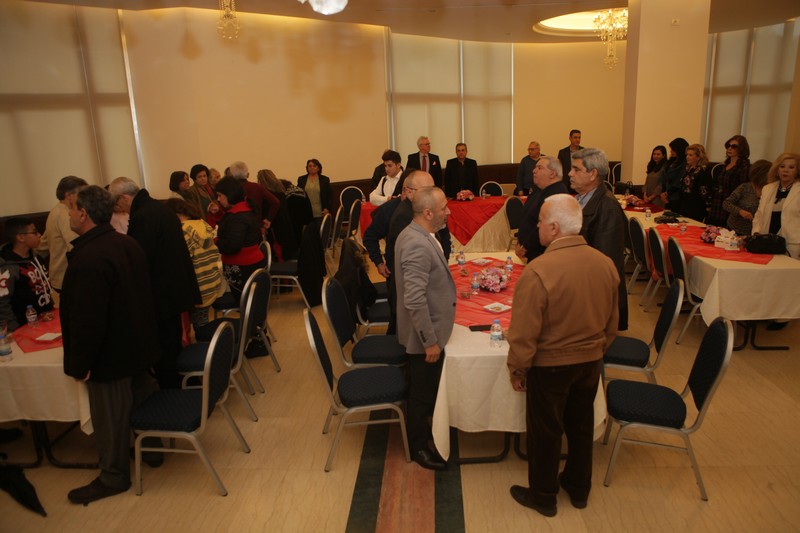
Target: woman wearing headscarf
673,172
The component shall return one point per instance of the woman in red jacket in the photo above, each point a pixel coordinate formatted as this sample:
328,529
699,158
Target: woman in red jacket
238,236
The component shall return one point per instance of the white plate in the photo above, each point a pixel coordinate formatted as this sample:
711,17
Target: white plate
497,307
481,261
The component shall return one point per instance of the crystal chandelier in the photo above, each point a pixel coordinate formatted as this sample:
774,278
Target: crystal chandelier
326,7
612,25
228,25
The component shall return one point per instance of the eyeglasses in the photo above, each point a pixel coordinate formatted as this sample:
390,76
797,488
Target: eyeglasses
731,145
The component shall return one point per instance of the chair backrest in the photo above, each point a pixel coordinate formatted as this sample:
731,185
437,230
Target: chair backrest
337,225
266,249
716,170
254,318
609,185
492,188
354,218
320,352
337,309
217,369
325,230
668,316
656,246
350,194
514,209
638,245
616,173
709,366
678,262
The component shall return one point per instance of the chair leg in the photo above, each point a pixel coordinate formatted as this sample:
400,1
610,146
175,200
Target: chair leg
245,401
688,321
328,419
653,295
247,369
137,469
613,459
202,453
271,352
235,428
403,433
643,299
634,276
696,468
607,433
271,334
335,444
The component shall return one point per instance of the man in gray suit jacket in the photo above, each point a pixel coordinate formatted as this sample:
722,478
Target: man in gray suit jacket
426,307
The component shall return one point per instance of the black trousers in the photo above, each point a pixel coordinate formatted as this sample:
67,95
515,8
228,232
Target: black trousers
169,340
423,385
110,403
560,400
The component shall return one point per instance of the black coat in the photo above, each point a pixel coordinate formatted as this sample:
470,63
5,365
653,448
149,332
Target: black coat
458,179
565,156
434,166
107,313
325,190
158,231
604,225
528,234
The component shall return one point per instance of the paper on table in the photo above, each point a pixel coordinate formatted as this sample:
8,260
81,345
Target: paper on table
47,337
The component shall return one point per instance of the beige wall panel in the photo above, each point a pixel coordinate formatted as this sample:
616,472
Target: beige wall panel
285,91
558,87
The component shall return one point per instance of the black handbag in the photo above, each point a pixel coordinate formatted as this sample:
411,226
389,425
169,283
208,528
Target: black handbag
765,243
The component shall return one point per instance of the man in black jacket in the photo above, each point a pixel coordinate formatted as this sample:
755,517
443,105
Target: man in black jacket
174,283
565,155
109,330
547,178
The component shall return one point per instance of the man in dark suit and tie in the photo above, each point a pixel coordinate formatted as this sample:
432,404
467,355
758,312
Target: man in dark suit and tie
425,161
461,173
565,156
426,307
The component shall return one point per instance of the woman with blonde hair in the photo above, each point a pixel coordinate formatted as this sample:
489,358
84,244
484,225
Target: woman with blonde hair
695,184
779,209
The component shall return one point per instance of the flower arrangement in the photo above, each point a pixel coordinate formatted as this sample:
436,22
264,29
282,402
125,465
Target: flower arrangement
710,234
465,195
493,279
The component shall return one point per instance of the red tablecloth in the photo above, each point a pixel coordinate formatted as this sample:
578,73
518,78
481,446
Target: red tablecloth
25,336
466,218
470,312
692,246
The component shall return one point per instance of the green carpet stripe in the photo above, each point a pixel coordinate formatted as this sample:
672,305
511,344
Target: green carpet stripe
449,499
364,508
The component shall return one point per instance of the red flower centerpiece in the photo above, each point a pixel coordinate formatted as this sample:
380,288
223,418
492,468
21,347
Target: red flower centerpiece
493,279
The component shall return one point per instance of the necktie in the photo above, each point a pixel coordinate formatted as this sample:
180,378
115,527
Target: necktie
424,163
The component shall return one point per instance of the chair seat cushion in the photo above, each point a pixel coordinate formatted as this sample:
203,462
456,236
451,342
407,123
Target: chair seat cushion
284,268
369,386
206,332
226,301
169,410
627,351
382,290
378,312
647,403
379,349
192,358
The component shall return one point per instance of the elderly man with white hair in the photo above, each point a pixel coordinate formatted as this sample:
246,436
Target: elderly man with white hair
563,319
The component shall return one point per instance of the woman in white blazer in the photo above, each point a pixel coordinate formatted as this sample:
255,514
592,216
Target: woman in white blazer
779,208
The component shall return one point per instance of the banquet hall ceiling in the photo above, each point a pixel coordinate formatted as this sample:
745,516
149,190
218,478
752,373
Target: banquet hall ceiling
471,20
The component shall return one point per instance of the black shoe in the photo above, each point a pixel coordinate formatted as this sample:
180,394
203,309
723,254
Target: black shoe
94,491
256,348
9,435
776,326
151,459
429,460
577,503
522,496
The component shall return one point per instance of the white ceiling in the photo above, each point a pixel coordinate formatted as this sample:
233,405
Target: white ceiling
470,20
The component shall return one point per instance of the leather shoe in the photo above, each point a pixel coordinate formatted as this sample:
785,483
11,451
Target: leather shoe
775,326
94,491
577,503
429,460
522,496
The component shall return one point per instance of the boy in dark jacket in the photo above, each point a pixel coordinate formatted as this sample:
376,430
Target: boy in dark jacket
31,283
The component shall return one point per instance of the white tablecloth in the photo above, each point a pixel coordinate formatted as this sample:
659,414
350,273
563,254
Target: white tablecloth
33,386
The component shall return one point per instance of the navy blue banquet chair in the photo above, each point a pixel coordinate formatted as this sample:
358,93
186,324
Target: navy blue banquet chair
679,271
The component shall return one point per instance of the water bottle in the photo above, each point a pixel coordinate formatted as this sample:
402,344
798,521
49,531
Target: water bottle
31,316
509,267
648,213
476,283
461,259
496,334
5,347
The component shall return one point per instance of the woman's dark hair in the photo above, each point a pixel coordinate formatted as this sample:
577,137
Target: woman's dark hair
175,180
232,189
652,166
679,145
197,169
182,207
743,150
316,162
759,172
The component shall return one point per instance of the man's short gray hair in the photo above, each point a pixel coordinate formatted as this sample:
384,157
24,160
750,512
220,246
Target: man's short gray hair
123,185
593,159
554,164
421,139
239,170
425,198
566,212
